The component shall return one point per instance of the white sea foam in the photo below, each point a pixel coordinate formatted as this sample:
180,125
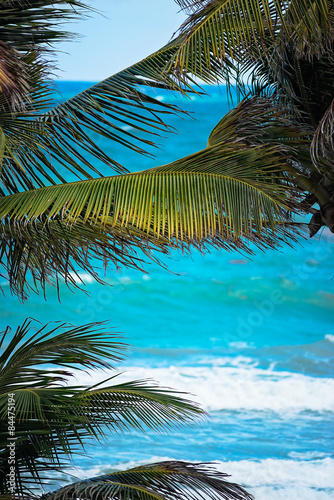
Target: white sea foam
240,345
239,388
266,479
82,278
329,337
307,455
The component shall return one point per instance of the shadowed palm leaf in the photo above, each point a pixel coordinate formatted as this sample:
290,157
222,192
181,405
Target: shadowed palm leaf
54,419
159,481
58,250
37,22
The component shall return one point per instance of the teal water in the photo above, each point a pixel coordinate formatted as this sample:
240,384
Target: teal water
252,338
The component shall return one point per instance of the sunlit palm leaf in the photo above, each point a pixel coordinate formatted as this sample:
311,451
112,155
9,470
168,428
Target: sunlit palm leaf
221,31
159,481
219,190
223,35
235,192
189,199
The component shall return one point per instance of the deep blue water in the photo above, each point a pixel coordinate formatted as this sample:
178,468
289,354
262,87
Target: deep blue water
253,338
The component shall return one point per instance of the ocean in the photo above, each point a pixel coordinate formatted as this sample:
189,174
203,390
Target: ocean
251,338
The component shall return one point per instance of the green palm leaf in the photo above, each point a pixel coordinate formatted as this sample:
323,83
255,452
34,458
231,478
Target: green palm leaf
53,419
27,23
223,31
13,83
58,251
322,147
223,39
235,192
118,108
160,198
159,481
34,142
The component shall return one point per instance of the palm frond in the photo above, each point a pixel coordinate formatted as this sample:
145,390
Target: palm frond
54,419
224,39
308,28
56,252
168,480
322,147
192,5
13,83
26,24
39,145
188,200
222,34
118,108
233,193
259,121
89,345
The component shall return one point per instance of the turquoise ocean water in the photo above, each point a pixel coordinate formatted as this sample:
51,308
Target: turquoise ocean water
251,338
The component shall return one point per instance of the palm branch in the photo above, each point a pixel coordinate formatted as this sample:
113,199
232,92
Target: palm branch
159,481
284,50
54,419
119,109
237,191
37,22
38,136
36,141
223,30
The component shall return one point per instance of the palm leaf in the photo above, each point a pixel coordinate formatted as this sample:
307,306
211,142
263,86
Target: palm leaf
188,200
233,193
160,481
30,23
35,142
53,419
308,27
322,147
223,39
266,121
118,109
218,36
57,251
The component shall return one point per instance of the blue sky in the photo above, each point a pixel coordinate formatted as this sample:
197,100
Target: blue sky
127,31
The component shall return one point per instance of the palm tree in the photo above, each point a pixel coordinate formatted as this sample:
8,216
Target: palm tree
236,192
44,420
279,55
